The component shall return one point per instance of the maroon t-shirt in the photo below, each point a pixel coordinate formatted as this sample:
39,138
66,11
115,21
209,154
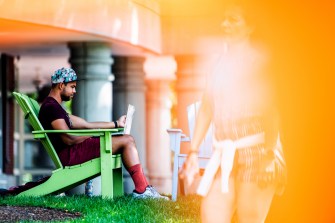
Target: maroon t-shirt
50,111
89,149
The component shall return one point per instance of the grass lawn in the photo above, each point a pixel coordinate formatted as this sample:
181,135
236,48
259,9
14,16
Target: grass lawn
121,209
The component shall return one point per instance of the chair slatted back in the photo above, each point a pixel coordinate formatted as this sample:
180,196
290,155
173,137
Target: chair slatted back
31,108
205,149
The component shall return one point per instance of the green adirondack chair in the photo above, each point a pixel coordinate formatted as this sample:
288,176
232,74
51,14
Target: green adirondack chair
67,177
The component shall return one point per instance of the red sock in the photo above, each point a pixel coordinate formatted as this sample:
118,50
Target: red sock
138,177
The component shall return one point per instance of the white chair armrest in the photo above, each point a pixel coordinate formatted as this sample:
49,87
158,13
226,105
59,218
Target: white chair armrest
176,137
174,130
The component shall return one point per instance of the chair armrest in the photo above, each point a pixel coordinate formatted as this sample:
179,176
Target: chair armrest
176,137
174,130
184,138
78,132
40,134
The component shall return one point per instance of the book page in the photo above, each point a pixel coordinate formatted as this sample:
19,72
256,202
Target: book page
129,119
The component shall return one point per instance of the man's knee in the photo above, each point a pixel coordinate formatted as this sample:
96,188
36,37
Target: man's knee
129,140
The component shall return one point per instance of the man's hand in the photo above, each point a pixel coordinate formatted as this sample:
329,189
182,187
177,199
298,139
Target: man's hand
121,121
190,169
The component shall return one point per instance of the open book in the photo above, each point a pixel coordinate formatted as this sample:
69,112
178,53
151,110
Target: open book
129,120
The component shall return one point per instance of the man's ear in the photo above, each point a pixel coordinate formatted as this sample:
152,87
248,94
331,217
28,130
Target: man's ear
60,86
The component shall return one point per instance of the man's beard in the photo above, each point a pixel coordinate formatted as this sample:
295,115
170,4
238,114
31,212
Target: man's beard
65,98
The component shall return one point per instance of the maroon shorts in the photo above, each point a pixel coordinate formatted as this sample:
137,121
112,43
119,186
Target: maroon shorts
80,153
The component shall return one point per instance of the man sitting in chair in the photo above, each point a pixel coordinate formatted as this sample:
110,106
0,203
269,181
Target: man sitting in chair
73,150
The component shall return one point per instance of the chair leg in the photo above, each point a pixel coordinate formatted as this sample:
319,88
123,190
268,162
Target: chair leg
112,183
175,179
118,182
174,187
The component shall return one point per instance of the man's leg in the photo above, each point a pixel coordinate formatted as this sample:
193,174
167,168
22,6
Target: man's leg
253,202
125,145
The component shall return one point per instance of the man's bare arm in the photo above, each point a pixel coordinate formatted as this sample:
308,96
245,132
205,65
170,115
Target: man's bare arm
80,123
60,124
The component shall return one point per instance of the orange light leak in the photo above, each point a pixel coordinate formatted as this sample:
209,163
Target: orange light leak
300,36
302,45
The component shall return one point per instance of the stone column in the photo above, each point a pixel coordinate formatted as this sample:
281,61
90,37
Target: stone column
190,84
160,72
129,88
92,62
158,120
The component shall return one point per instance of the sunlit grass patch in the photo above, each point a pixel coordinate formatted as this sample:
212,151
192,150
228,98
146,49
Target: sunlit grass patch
121,209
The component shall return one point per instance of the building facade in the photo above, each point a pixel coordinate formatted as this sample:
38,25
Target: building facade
140,52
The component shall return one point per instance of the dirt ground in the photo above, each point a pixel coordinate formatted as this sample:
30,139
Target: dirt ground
17,213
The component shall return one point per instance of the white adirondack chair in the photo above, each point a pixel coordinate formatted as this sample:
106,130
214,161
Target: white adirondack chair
177,136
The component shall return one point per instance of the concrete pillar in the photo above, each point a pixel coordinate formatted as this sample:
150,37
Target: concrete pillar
92,62
160,73
190,84
129,88
158,120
